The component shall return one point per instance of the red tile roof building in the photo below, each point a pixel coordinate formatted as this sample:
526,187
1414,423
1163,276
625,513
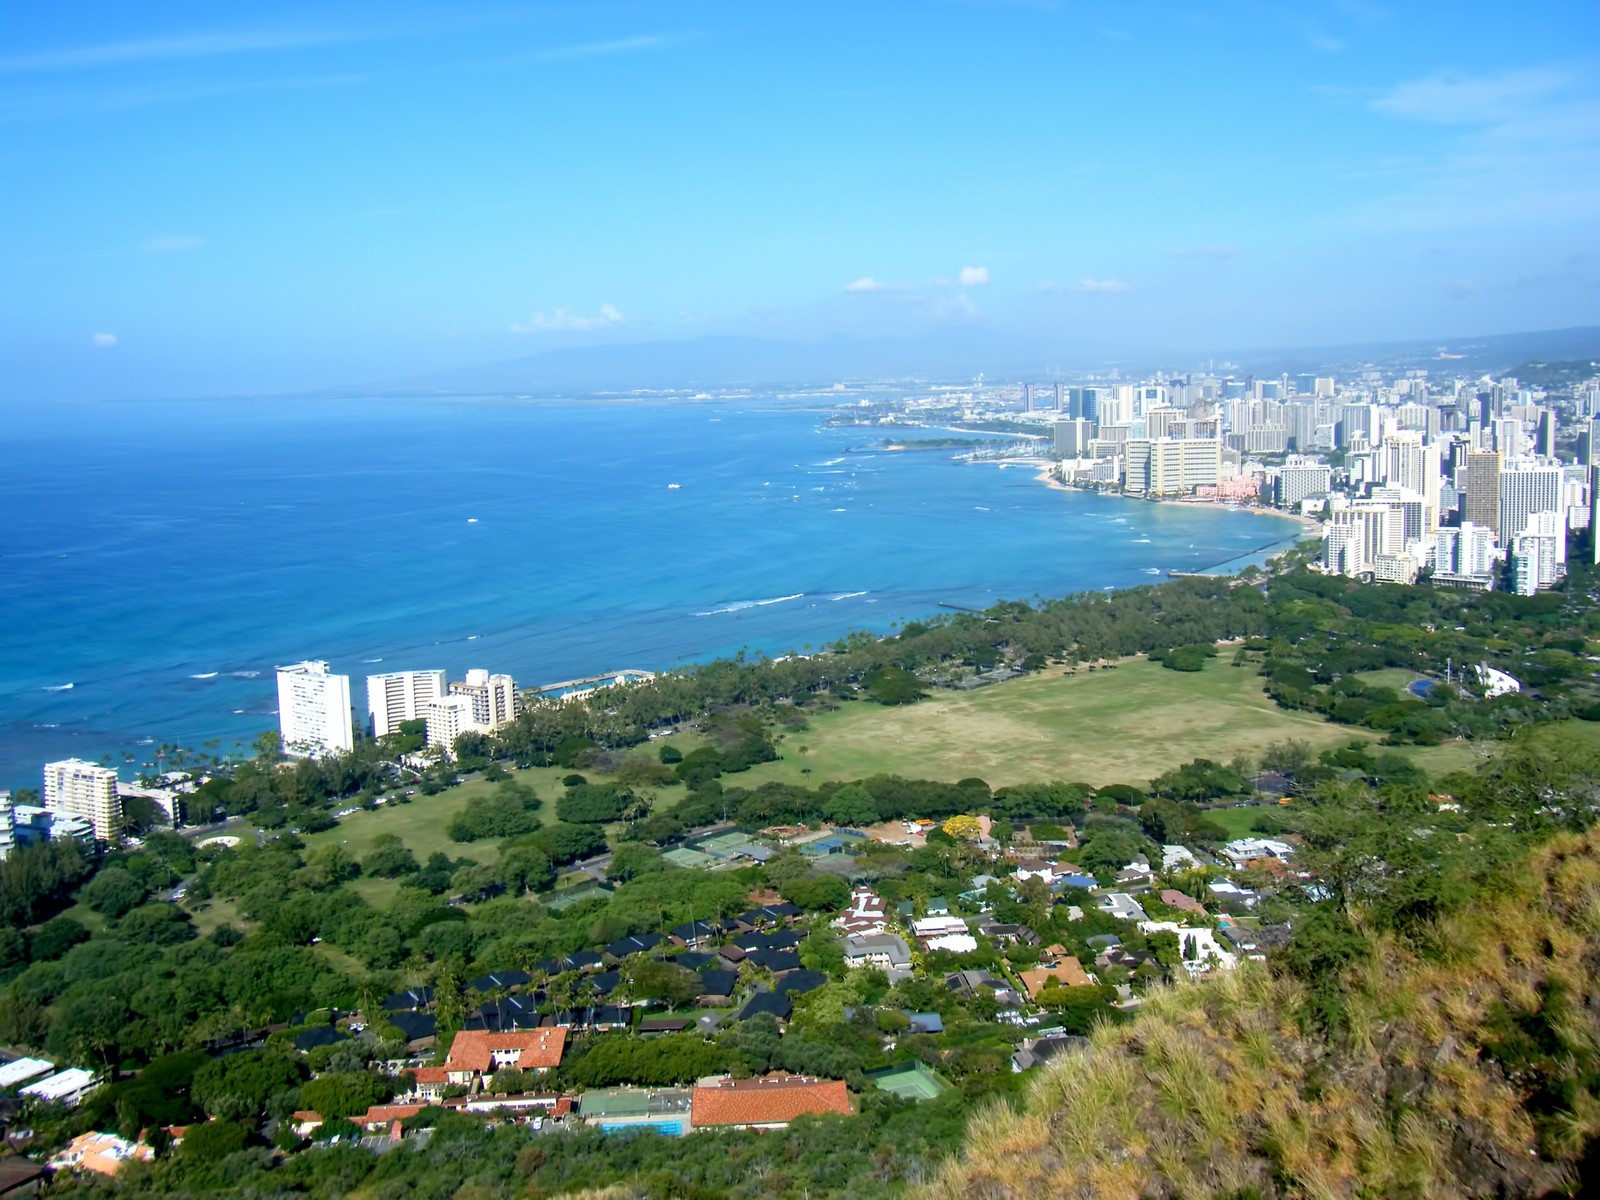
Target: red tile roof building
478,1052
767,1103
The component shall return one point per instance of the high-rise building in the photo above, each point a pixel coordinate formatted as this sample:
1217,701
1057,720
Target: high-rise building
1027,397
1483,490
1298,480
1544,437
1526,489
494,698
1465,556
1408,463
8,826
448,718
82,789
1072,437
1172,466
397,696
314,710
1060,396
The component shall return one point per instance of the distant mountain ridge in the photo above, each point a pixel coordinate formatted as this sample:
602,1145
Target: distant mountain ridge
723,361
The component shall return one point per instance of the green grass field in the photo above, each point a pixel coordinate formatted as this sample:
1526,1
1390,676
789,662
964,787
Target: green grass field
1237,821
1126,724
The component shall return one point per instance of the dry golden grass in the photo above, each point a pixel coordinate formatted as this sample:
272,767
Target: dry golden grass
1214,1089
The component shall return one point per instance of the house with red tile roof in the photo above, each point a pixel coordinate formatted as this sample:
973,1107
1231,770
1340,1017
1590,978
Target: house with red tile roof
478,1052
1173,898
1068,972
770,1102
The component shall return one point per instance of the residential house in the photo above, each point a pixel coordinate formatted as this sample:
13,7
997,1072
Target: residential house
696,935
1178,858
797,983
775,1004
1068,972
1034,1052
1007,934
1247,850
636,943
499,981
1123,907
1176,899
867,913
476,1053
1199,946
770,1102
718,987
100,1153
427,1084
886,951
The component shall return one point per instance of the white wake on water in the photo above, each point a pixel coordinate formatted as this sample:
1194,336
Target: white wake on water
741,605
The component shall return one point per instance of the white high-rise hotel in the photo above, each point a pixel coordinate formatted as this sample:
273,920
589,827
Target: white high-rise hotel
85,790
481,702
398,696
314,710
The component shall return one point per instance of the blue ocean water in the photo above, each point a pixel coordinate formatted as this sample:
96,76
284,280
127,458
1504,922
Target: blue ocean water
160,559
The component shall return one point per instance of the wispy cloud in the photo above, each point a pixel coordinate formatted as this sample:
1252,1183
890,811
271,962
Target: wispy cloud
102,341
170,244
1217,251
974,276
866,284
1523,151
37,104
630,45
1453,98
170,49
564,320
1104,287
1047,286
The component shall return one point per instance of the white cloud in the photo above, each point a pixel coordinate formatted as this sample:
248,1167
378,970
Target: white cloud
592,49
1451,98
102,340
974,276
205,45
169,244
564,320
1104,287
1218,251
866,284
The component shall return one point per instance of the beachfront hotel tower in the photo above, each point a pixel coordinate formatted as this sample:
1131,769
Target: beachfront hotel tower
397,696
480,703
82,789
314,711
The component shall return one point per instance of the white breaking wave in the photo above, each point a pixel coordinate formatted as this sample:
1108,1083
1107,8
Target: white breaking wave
374,660
205,675
1152,570
246,674
848,595
1136,541
60,687
741,605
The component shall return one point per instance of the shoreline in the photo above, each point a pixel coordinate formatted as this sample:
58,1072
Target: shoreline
1044,472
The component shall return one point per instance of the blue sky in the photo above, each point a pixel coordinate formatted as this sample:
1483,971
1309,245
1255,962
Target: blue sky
242,197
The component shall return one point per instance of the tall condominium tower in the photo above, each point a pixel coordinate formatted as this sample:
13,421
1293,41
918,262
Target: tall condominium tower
314,710
397,696
1483,491
85,790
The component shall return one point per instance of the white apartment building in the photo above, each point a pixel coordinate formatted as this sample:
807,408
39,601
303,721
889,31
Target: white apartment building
1298,480
82,789
482,702
1354,537
314,710
1406,463
1465,555
448,718
397,696
494,697
1172,466
1525,489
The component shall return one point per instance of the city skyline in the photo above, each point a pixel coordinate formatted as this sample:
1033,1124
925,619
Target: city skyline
286,198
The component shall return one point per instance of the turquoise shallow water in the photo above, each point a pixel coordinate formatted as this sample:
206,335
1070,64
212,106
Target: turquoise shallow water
162,558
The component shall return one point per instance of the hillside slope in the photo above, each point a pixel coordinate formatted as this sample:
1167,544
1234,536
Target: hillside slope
1468,1071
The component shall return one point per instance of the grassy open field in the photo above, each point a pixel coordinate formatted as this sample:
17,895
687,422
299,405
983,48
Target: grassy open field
1126,724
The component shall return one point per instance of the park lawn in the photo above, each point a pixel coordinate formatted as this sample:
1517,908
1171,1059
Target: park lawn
1125,724
1391,677
209,915
1237,821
